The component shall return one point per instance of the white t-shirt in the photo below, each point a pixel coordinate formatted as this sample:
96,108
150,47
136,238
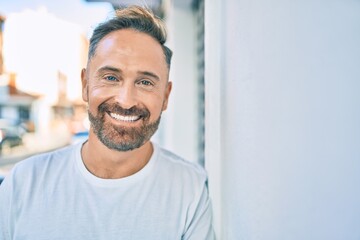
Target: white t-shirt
53,196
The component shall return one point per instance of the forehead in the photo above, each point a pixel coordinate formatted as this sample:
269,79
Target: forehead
129,48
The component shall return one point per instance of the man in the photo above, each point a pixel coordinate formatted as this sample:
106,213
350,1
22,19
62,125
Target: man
118,184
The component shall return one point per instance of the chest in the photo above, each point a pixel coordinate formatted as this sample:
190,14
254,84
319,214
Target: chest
88,213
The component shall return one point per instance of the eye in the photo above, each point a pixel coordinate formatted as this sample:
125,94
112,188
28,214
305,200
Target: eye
110,78
145,82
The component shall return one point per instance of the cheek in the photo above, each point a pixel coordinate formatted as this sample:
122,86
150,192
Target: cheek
97,96
155,102
155,106
97,93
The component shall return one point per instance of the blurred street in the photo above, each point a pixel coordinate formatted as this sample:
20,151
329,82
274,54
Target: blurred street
32,144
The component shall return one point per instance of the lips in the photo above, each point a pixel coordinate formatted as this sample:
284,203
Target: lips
125,118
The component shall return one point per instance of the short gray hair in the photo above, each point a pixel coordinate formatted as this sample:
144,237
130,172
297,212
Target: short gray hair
134,17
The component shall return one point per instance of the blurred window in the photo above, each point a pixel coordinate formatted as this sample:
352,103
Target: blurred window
24,113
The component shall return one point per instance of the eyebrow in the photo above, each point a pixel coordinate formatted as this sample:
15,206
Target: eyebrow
150,74
109,68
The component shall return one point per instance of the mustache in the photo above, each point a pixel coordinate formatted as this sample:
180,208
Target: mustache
114,108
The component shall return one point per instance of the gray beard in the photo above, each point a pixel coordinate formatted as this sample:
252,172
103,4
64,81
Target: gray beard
122,138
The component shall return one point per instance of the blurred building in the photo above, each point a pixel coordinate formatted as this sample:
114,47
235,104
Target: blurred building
45,55
16,105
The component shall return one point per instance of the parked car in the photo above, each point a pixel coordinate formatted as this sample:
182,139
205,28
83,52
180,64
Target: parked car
10,135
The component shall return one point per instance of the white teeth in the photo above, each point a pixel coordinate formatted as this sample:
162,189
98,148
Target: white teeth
124,118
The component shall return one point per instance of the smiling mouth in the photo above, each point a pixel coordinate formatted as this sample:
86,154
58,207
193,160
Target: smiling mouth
124,118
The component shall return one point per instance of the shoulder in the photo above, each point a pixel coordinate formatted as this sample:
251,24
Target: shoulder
178,167
43,162
40,171
179,162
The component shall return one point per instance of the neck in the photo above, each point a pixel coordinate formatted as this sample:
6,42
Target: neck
112,164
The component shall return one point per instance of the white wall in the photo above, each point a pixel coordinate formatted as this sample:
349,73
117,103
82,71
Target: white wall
284,118
179,124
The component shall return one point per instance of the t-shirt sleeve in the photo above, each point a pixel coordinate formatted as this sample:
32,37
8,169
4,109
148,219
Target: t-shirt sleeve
5,206
200,226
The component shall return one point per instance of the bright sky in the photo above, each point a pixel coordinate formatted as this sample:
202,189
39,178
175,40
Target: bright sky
77,11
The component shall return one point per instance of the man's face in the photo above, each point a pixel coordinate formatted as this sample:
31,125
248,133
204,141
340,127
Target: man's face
126,87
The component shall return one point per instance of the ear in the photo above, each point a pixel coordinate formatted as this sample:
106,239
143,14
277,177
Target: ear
84,84
167,94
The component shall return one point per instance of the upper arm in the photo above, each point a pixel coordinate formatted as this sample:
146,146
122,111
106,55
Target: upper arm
200,223
5,207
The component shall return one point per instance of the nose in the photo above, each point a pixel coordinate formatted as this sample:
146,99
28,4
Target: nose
126,96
